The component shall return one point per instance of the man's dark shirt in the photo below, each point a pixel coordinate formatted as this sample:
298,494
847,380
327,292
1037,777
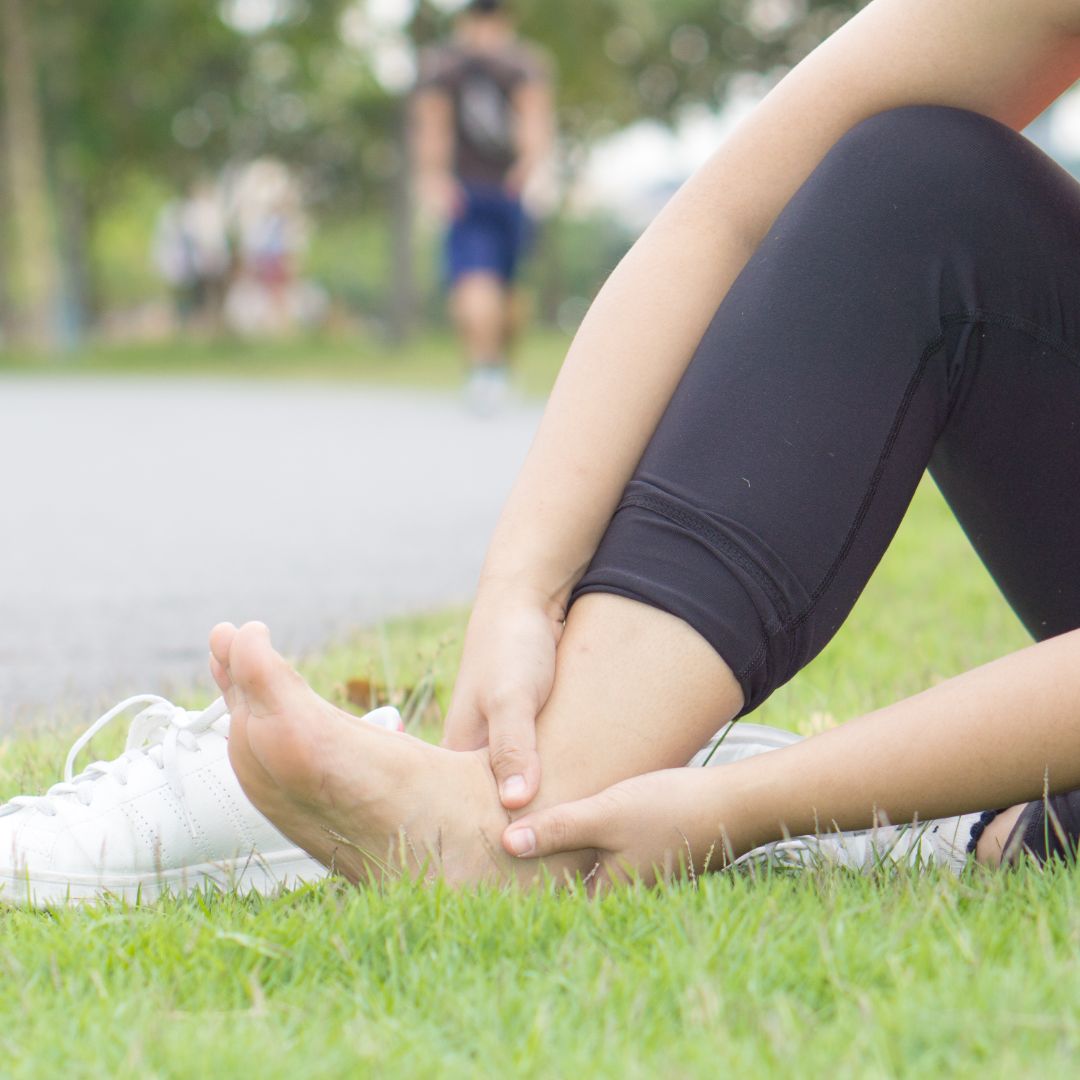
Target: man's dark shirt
482,87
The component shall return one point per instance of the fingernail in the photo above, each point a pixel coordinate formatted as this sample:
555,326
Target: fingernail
522,841
513,787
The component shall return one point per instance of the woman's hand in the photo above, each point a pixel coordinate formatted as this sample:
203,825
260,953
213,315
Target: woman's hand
647,828
506,675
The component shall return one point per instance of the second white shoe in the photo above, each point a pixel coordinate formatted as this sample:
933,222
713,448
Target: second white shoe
167,815
942,842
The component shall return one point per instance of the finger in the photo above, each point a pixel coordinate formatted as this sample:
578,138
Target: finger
514,761
574,826
465,727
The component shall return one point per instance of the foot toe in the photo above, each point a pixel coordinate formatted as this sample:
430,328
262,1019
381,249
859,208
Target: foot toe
270,686
220,675
221,639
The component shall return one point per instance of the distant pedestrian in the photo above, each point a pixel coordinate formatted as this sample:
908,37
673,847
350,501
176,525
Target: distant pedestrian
267,299
483,132
191,251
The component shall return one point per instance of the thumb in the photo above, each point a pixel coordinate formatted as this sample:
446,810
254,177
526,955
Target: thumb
512,749
574,826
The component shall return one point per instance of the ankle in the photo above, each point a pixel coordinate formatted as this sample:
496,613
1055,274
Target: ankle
990,845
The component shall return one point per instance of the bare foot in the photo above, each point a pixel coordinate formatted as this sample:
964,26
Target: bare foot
364,801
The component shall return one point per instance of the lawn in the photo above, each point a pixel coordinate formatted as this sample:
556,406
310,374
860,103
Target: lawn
430,360
826,974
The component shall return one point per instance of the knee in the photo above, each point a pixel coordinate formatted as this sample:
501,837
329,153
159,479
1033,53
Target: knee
925,140
908,128
927,165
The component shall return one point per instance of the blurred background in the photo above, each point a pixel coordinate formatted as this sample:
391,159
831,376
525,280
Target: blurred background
155,160
121,118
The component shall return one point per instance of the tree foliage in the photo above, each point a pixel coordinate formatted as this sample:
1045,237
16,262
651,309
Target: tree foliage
175,88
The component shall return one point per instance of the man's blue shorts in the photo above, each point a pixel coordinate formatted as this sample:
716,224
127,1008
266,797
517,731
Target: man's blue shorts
491,235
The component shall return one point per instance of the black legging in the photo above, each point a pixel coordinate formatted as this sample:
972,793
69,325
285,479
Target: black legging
917,303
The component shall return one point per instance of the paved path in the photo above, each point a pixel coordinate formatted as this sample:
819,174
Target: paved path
139,512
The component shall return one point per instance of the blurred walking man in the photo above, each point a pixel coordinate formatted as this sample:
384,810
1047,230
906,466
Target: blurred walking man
483,130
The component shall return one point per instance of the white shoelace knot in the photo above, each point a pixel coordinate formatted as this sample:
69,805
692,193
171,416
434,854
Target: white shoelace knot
155,734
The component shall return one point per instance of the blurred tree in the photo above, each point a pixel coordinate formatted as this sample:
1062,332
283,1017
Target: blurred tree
177,88
33,290
129,87
622,61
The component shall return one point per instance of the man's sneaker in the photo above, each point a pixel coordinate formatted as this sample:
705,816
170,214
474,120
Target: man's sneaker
488,389
167,815
943,842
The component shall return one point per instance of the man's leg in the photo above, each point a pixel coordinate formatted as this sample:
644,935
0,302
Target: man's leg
774,483
478,303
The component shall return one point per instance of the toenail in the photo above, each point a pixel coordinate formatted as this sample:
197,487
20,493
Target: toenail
522,841
513,787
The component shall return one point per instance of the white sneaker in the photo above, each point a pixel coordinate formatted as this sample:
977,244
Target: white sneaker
168,815
923,844
942,842
488,389
741,739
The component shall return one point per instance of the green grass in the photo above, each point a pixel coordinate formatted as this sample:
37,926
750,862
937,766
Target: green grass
431,360
821,975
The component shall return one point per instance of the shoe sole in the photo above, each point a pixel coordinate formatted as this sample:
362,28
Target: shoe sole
257,873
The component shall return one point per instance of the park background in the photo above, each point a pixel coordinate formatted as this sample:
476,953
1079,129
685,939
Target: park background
112,108
112,113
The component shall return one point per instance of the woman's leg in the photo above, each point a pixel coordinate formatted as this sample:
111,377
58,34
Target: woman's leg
1004,266
916,301
1001,731
364,799
841,357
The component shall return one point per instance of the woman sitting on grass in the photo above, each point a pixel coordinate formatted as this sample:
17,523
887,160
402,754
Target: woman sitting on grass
898,274
875,275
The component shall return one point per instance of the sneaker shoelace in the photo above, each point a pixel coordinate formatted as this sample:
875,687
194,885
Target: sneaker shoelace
155,734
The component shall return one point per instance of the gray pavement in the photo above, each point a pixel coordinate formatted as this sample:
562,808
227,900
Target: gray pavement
141,511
